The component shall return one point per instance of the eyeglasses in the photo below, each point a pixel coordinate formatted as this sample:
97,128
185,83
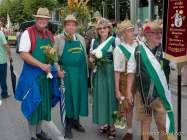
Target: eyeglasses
102,28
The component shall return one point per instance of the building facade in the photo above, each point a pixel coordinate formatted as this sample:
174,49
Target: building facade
145,9
118,10
133,9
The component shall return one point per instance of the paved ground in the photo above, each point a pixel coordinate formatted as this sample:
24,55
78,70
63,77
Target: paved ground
14,127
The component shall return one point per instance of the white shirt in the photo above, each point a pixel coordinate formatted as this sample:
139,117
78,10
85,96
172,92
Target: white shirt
120,60
131,65
25,43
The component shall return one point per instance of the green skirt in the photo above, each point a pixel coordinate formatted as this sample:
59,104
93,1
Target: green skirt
43,111
104,99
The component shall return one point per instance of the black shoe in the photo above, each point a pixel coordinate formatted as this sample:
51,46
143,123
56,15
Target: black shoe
68,133
43,136
77,126
5,96
33,138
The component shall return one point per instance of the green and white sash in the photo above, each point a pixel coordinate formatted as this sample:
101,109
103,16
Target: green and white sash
127,50
102,49
155,72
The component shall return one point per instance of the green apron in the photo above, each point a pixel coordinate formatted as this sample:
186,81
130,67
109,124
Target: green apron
43,111
74,64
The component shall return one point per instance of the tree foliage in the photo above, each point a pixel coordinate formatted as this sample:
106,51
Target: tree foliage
4,9
22,10
31,6
62,2
79,9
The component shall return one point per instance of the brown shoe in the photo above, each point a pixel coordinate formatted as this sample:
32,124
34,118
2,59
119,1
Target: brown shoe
128,136
150,138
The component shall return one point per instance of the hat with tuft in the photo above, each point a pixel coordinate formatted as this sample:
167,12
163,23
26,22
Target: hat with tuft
70,18
42,13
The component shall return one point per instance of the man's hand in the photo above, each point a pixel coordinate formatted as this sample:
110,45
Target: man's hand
130,98
46,67
61,74
119,96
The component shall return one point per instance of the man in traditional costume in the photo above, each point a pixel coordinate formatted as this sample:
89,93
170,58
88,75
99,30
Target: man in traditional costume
34,88
127,37
153,95
73,60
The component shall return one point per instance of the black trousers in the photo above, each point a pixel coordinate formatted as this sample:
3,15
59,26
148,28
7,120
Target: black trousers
3,79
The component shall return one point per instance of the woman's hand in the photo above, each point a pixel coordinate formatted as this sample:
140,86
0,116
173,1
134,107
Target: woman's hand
91,58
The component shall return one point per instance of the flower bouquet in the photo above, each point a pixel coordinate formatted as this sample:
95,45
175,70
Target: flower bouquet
51,54
97,53
98,59
119,119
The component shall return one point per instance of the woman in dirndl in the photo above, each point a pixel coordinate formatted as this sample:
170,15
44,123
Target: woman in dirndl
104,99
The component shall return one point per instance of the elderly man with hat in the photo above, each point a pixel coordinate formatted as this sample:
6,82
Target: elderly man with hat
153,97
34,88
127,37
90,33
73,61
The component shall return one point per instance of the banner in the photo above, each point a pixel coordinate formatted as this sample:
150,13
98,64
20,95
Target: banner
176,31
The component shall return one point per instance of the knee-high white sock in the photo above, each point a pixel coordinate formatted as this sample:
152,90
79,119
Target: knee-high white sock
55,132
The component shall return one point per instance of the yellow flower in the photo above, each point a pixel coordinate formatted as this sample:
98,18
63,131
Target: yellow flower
52,51
51,54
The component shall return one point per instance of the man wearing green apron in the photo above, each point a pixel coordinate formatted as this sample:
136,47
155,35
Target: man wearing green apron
73,60
34,58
